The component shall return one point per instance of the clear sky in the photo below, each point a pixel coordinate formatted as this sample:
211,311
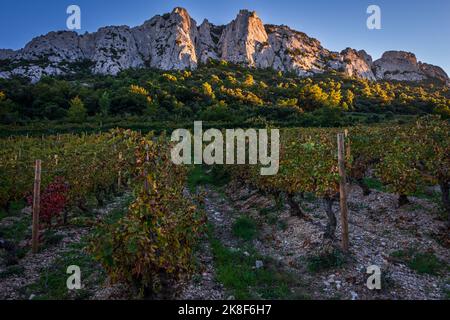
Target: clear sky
418,26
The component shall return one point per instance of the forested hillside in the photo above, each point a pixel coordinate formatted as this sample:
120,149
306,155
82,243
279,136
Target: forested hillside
218,91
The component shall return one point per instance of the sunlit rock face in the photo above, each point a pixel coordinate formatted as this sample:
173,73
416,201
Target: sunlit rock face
168,42
244,40
173,41
357,64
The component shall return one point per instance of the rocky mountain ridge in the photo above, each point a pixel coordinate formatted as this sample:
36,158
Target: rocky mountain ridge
173,41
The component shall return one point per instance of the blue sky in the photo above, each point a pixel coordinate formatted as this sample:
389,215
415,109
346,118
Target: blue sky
419,26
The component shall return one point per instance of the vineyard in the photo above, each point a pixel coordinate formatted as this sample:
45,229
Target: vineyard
157,241
405,159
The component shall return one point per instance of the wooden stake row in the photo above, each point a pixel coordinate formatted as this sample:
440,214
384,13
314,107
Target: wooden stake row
36,206
343,154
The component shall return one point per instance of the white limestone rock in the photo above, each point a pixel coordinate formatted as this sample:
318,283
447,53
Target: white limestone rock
55,47
35,72
114,50
357,64
7,54
295,51
245,41
398,65
168,42
207,41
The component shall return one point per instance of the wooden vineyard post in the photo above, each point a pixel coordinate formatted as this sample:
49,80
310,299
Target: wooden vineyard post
348,152
147,159
343,191
36,206
119,178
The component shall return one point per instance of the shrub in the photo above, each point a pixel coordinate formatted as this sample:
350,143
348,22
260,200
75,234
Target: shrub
53,200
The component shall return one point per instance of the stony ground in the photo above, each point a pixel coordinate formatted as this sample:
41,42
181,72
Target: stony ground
378,230
31,267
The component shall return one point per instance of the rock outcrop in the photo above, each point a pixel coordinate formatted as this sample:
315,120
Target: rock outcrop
434,72
169,41
114,49
207,41
398,65
357,64
173,41
295,51
403,66
245,41
7,54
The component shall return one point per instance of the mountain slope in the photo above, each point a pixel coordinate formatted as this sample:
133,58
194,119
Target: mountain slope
173,41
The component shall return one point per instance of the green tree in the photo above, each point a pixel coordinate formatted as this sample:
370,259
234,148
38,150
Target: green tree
105,103
77,112
8,112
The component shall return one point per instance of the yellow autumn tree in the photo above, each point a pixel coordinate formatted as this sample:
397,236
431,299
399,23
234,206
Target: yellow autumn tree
249,81
138,90
208,90
135,89
349,97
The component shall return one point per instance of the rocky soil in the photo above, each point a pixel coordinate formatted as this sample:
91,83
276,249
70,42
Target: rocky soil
378,229
12,287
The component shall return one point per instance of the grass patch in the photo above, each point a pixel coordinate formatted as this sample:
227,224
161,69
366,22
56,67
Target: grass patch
14,270
52,238
200,175
245,228
272,219
3,214
18,231
422,193
52,281
326,261
374,184
282,225
421,262
271,216
237,272
14,209
266,211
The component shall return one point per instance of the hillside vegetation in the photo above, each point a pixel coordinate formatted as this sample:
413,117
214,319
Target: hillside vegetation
217,92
